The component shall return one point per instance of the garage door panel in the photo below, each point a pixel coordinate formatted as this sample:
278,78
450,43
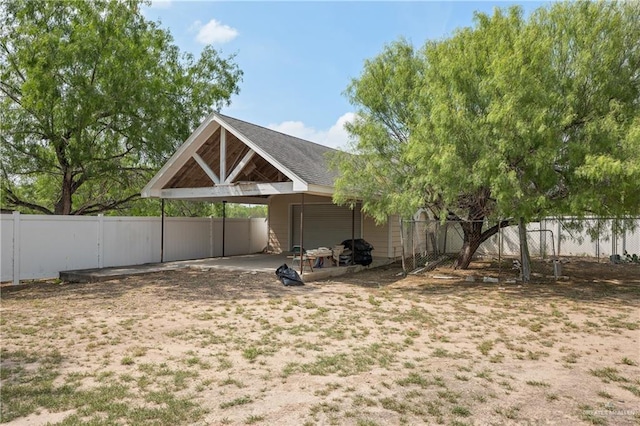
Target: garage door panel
325,225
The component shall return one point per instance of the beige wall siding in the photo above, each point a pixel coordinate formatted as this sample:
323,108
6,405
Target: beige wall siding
280,218
395,242
377,236
385,238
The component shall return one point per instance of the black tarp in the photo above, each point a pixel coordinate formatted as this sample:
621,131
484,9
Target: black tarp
288,276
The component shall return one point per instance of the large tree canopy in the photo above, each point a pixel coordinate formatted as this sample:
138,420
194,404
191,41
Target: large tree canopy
513,118
94,98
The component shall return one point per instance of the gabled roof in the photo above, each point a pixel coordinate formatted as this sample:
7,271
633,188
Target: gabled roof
307,160
260,162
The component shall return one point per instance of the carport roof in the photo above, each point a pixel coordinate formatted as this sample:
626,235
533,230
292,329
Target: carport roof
228,158
308,160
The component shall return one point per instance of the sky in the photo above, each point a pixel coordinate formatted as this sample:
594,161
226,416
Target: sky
299,57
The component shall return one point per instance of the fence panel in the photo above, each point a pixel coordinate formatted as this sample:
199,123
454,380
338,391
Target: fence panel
187,238
40,246
49,243
130,241
595,237
6,247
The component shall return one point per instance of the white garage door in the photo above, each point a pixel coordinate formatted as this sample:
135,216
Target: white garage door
325,225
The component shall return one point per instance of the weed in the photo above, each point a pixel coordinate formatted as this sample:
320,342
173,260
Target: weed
253,419
251,353
510,413
485,347
461,411
127,360
243,400
608,374
230,381
394,405
633,389
628,361
538,383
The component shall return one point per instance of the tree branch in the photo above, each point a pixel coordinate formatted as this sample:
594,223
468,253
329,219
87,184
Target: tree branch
101,207
14,200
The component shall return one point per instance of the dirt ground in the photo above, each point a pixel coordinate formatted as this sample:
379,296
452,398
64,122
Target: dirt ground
374,348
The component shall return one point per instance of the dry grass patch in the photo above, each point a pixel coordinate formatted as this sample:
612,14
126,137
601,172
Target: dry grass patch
219,347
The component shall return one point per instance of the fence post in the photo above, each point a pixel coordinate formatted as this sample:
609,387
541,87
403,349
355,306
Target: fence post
249,234
559,237
210,236
100,240
16,248
614,238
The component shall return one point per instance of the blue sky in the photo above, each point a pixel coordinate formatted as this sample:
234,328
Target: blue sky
299,57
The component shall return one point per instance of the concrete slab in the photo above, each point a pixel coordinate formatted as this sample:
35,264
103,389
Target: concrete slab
247,263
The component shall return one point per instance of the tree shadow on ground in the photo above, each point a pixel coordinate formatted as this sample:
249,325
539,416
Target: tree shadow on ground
587,281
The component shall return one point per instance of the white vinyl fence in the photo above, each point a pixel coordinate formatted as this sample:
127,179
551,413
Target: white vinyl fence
40,246
425,239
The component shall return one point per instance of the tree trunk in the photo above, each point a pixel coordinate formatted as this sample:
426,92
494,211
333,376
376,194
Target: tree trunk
64,204
473,237
525,259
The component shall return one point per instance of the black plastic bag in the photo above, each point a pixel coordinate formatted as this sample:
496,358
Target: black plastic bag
359,243
363,258
288,276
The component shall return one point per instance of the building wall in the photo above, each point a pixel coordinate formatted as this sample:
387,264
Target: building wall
280,219
395,240
385,238
377,236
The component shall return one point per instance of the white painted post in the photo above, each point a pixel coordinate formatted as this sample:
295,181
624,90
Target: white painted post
16,248
100,240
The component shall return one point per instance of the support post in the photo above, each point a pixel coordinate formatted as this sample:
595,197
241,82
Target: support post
16,248
353,235
499,248
269,225
224,220
162,230
404,266
301,254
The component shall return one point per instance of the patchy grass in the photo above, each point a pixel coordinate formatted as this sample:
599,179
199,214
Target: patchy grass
193,347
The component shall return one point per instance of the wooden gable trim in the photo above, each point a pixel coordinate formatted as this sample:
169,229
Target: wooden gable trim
196,140
180,157
205,167
299,184
248,189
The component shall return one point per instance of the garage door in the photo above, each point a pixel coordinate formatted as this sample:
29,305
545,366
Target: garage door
325,225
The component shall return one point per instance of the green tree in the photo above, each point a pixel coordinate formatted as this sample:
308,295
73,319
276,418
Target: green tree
512,118
94,98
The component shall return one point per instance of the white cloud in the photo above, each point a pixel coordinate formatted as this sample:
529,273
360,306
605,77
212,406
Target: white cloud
213,32
335,137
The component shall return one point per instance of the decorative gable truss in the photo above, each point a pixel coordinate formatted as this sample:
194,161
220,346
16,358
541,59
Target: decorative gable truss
218,162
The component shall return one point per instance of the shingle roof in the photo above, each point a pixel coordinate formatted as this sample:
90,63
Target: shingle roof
308,160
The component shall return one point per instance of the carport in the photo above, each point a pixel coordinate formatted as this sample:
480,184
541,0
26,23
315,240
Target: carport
231,161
